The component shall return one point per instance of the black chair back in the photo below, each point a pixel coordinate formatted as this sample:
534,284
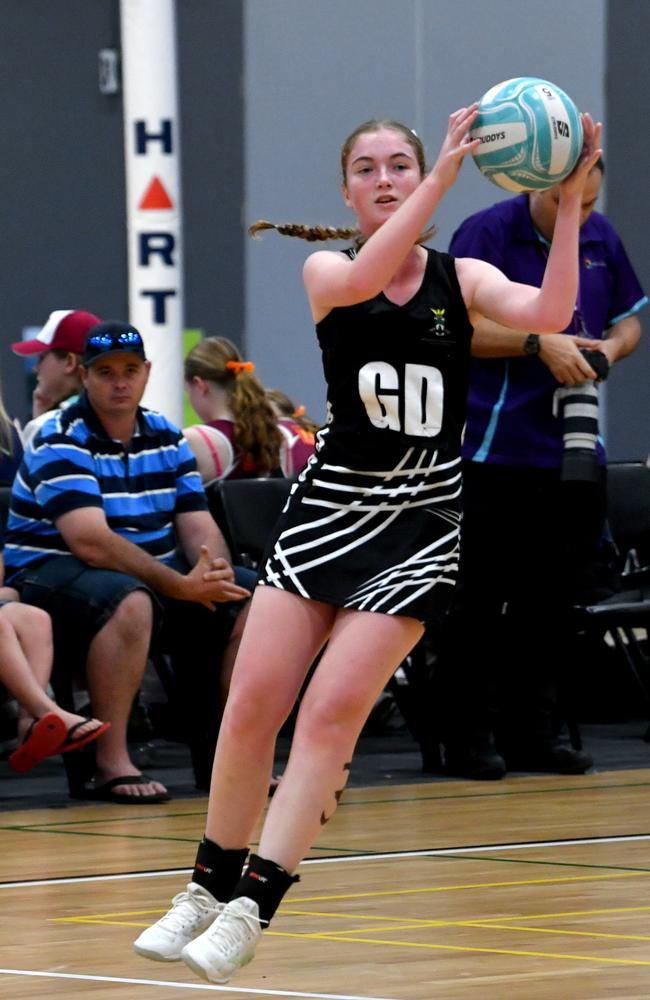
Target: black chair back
628,508
247,511
5,501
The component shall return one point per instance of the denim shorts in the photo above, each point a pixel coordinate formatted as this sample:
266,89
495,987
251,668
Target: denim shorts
80,598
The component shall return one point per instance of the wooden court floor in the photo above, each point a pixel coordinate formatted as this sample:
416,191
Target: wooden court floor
533,887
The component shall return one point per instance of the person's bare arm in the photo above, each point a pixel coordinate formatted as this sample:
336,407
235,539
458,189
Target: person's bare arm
620,339
559,351
88,536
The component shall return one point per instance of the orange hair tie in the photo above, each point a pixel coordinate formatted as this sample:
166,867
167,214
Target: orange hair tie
236,367
299,411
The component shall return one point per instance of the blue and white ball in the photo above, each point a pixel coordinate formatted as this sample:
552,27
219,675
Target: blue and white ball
530,132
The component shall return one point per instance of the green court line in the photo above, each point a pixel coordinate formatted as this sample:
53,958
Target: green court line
104,821
476,856
532,861
110,836
573,789
164,839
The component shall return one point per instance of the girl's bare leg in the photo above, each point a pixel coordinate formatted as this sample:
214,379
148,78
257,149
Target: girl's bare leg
363,652
282,637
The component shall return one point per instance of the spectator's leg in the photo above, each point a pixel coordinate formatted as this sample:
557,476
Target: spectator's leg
566,520
472,640
198,673
104,619
116,662
26,653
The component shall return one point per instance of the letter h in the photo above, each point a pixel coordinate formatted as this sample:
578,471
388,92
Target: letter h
142,137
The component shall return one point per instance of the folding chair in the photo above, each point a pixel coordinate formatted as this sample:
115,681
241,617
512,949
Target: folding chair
624,618
247,510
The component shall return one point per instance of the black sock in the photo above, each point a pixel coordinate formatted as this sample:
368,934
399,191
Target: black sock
266,883
218,870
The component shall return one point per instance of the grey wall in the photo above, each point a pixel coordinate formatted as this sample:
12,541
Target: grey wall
62,168
628,206
210,72
316,68
61,172
268,91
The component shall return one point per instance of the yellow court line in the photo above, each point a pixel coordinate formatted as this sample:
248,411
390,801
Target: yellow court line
573,913
396,925
434,921
463,948
440,924
99,917
544,930
415,923
470,885
103,922
336,915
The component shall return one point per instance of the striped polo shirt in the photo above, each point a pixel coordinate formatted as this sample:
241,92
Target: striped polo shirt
72,463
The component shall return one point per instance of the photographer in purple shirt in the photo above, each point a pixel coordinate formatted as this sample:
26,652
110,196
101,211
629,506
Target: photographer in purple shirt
534,489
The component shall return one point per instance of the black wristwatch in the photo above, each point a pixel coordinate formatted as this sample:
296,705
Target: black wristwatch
531,344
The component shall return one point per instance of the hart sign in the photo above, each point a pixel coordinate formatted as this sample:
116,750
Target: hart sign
153,194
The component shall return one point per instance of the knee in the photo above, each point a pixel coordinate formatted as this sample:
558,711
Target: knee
133,617
329,721
249,711
17,616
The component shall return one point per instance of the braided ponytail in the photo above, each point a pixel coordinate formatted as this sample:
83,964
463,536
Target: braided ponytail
310,233
322,233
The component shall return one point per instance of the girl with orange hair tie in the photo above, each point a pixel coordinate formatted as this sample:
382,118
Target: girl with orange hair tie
240,436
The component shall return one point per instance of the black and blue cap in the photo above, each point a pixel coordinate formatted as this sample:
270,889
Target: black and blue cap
112,337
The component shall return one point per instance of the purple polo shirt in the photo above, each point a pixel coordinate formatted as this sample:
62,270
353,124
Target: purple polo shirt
510,405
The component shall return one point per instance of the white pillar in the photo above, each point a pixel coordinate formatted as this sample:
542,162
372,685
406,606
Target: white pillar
153,194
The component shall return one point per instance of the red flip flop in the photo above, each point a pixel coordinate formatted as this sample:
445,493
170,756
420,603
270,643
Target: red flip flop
70,743
42,740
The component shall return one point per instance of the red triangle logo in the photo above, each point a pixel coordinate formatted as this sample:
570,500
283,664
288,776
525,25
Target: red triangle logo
155,197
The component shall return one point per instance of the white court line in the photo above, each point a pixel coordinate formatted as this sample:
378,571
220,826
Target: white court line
346,859
191,986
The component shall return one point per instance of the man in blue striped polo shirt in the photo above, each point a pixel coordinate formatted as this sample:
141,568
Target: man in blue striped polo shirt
109,531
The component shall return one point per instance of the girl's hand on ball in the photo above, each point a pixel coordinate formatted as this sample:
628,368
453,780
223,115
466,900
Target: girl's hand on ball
591,150
456,145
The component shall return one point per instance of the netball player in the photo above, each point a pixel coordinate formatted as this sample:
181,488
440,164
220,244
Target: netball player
367,550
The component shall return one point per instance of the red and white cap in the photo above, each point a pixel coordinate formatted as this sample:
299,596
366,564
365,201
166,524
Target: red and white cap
65,330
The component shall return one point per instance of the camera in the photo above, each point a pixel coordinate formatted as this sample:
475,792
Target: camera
577,406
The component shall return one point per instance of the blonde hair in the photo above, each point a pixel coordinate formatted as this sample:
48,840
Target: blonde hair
322,233
6,430
256,436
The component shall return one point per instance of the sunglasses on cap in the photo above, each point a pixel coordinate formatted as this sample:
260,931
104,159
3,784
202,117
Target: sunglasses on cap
112,338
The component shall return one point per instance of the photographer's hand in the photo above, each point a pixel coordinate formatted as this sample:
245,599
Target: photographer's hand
619,340
561,355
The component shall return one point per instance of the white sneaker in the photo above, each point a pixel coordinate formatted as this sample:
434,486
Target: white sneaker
191,913
228,944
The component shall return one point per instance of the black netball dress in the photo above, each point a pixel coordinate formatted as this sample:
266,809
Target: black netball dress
373,521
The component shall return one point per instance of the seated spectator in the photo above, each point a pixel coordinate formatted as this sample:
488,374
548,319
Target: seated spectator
11,448
239,437
296,426
26,654
58,348
109,531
